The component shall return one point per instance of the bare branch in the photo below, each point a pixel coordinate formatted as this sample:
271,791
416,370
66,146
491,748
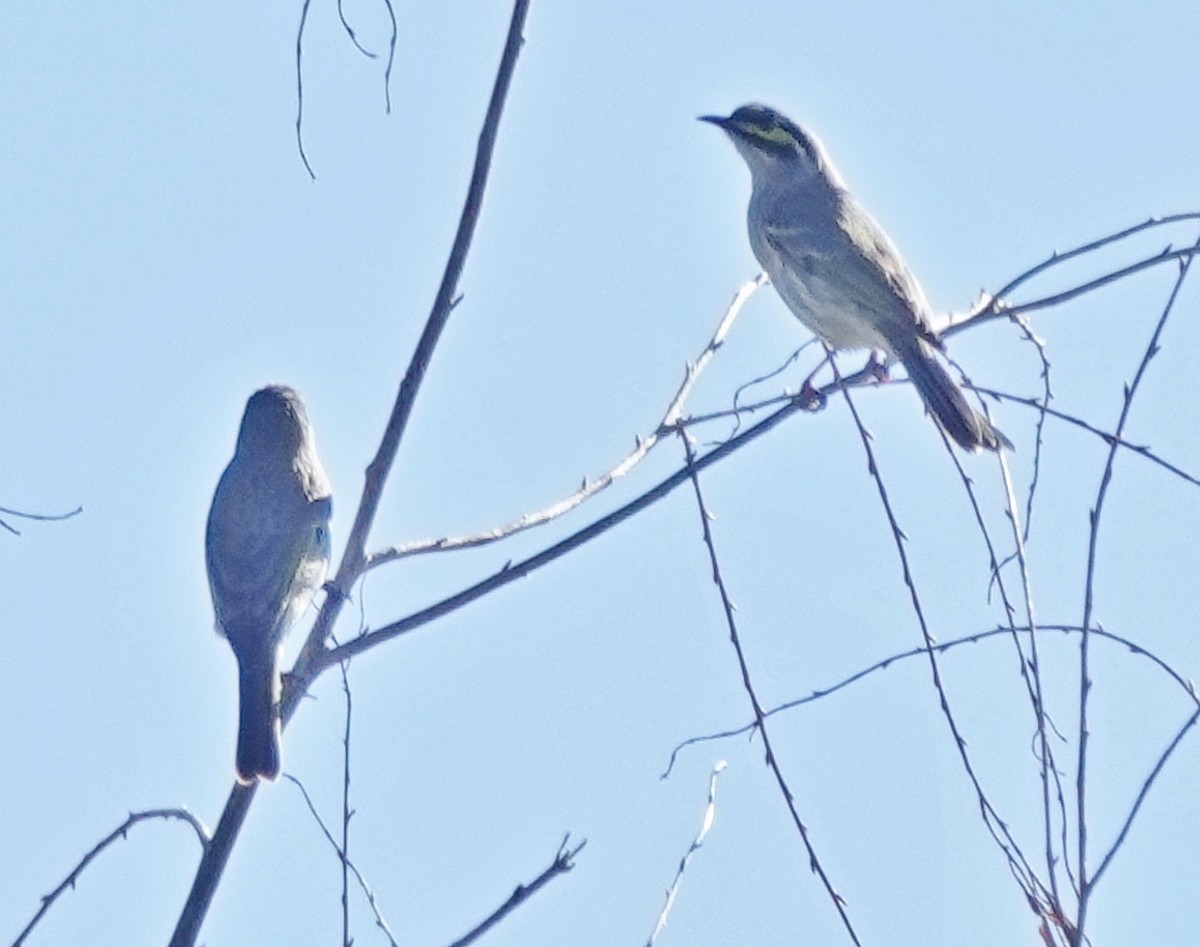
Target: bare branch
347,864
591,485
941,647
1140,449
710,812
40,517
995,825
341,12
1142,794
994,306
563,862
772,761
119,832
346,810
1085,683
300,87
518,570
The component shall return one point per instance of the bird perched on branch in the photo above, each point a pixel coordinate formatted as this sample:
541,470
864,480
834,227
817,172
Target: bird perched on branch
835,267
267,549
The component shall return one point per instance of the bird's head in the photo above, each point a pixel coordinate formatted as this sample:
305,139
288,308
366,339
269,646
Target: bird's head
771,143
274,424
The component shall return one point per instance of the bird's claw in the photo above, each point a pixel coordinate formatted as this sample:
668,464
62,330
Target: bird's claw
809,398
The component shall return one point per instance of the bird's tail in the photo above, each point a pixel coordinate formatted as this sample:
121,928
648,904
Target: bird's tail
946,401
258,712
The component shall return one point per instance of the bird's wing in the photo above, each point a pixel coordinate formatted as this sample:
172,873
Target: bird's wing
256,560
861,261
877,261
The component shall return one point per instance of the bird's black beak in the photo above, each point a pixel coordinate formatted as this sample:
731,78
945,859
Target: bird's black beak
719,120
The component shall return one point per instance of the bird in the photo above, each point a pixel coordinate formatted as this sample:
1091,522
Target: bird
267,549
836,269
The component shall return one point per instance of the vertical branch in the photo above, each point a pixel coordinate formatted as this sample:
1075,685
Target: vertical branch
1085,684
346,812
300,88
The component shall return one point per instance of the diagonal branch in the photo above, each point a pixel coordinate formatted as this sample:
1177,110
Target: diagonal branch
591,485
518,570
307,666
564,861
995,825
710,813
772,760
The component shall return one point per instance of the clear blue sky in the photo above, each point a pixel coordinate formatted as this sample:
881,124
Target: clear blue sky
163,253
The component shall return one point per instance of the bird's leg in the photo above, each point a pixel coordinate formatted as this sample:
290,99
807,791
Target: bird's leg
810,398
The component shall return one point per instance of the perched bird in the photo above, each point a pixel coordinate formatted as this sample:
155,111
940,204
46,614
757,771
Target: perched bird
835,267
267,549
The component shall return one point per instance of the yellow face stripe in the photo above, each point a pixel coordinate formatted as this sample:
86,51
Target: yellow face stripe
775,134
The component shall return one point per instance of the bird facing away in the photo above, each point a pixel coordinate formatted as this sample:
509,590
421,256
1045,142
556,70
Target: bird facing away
835,267
267,549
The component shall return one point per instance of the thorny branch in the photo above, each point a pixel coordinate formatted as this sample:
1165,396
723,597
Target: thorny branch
563,862
941,647
772,760
120,832
1085,683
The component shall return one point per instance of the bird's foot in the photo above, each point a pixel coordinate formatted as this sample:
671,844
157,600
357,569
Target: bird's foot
332,591
809,398
877,366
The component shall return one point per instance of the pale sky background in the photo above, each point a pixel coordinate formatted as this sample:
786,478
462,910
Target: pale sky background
163,253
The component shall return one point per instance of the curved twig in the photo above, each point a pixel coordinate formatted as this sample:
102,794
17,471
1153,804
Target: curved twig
120,831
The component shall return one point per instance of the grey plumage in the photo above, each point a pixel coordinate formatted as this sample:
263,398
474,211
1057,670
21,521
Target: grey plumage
836,269
267,550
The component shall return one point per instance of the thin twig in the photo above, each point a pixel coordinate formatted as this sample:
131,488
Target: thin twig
999,310
941,647
41,517
706,823
121,831
1085,683
1141,796
591,485
563,862
1031,674
1093,245
300,88
345,860
772,761
513,571
346,810
391,58
996,826
1111,439
994,306
350,32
